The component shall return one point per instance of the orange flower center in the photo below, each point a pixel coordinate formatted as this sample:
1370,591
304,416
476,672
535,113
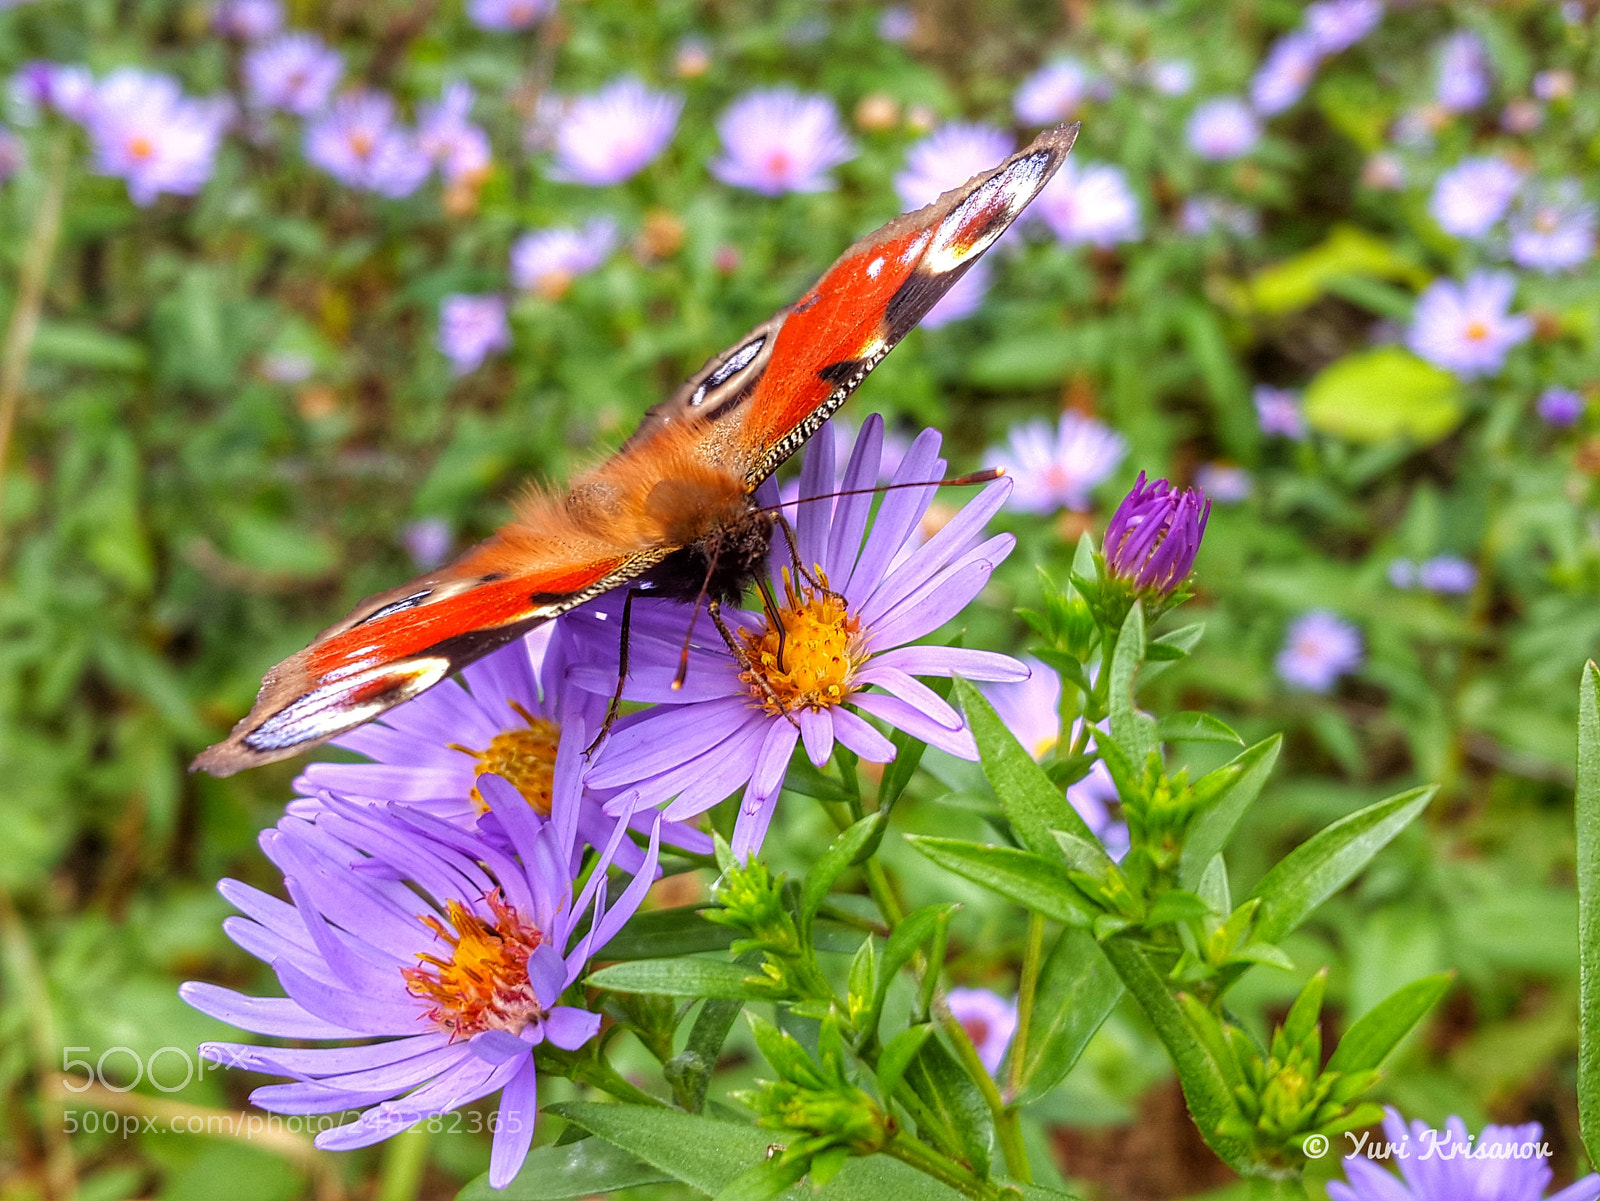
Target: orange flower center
809,659
361,143
141,147
483,984
526,758
1477,331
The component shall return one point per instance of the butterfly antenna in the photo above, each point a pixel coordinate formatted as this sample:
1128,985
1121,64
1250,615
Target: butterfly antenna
987,476
769,602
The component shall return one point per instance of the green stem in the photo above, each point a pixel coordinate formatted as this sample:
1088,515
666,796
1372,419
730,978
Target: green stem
1006,1124
405,1157
910,1150
1290,1188
1025,994
607,1079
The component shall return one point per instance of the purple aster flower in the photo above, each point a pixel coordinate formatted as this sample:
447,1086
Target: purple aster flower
457,997
546,261
1172,76
1092,203
67,89
1555,84
428,541
1447,575
1202,215
1319,648
989,1020
1552,227
1504,1163
1402,574
1284,75
778,140
898,24
1058,468
360,143
963,299
1223,129
1468,328
1463,79
508,16
1052,93
693,58
1560,406
1474,194
948,157
1224,483
447,136
13,153
613,134
514,715
296,73
1383,172
1278,412
1522,115
247,20
1336,25
739,722
1154,535
146,131
471,328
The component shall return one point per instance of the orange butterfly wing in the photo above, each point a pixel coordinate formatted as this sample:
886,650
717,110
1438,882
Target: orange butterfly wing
729,426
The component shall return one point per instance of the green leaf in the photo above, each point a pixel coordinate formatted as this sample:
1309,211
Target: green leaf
1077,991
568,1170
1133,729
1380,394
1168,649
1042,885
709,1155
1378,1031
841,853
1297,282
681,978
914,929
689,1071
764,1181
967,1126
908,755
897,1055
663,933
74,345
1195,727
1326,862
1588,818
1034,805
1211,830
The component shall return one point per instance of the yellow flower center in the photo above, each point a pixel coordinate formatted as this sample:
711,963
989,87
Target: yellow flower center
361,143
483,985
1477,331
809,659
526,758
141,147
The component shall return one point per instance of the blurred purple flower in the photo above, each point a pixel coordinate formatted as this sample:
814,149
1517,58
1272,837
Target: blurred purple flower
247,20
1552,227
989,1020
546,261
146,131
1468,328
508,16
1555,84
1402,573
287,366
898,24
778,140
1452,1165
963,299
1223,129
1172,76
949,156
1319,648
1224,483
1463,72
1278,412
1474,194
67,89
693,58
296,73
1201,215
471,328
611,135
457,996
1090,203
1560,406
1336,25
1284,75
447,136
1522,115
1055,468
359,142
1447,575
1383,172
1052,93
1154,535
738,728
427,540
13,153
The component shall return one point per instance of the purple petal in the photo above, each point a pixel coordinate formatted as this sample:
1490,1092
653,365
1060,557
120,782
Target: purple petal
861,738
665,738
570,1028
630,900
940,551
816,731
898,515
939,601
948,661
519,1109
497,1046
916,723
851,512
814,517
913,692
279,1017
547,972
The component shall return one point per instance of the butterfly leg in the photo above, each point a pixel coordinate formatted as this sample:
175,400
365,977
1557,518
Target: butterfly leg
816,581
714,611
622,669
